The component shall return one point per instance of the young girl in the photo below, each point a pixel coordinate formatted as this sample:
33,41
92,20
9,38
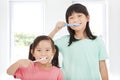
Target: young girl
83,53
43,63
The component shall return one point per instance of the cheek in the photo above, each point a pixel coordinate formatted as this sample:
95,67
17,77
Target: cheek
70,21
36,56
85,20
50,55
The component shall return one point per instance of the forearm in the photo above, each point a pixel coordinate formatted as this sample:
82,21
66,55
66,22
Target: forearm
58,26
52,34
12,69
20,63
103,70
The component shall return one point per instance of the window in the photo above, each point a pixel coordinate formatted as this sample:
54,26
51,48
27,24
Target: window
26,22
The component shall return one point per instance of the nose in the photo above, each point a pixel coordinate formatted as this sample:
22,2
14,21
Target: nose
76,20
43,53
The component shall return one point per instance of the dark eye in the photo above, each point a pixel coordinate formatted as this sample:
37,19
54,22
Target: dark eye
47,50
70,17
79,15
38,50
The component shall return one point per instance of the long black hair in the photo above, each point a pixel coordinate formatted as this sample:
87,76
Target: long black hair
78,8
55,59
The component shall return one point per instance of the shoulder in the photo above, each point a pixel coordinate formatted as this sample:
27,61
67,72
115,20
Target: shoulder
98,38
100,41
56,68
62,39
58,72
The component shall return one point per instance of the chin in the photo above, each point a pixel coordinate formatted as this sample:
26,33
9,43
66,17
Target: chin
44,62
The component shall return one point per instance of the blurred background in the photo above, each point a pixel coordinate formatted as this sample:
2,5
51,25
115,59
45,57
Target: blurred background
22,20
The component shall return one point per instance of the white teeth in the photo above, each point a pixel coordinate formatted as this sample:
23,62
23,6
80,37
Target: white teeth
76,24
41,59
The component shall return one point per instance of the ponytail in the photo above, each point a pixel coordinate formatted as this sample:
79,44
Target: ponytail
55,60
30,56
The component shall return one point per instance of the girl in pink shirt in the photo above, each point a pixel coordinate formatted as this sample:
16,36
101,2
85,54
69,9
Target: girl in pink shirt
42,63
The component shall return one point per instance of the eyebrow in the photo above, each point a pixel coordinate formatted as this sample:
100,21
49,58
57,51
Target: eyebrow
44,48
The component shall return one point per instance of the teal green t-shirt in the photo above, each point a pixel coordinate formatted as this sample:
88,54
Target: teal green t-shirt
81,58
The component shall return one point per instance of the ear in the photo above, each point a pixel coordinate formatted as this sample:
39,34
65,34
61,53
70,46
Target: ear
88,18
54,51
32,52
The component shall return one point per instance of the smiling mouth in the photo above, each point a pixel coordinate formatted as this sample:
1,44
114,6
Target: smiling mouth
41,59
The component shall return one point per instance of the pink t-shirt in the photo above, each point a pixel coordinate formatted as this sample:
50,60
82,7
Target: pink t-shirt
34,72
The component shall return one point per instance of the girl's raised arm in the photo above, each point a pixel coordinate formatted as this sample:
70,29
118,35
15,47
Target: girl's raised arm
58,26
23,63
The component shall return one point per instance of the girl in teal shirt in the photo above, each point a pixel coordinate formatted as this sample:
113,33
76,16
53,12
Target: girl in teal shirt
83,53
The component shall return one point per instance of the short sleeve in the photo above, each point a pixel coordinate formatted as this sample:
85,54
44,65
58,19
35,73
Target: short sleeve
60,76
102,49
62,41
58,43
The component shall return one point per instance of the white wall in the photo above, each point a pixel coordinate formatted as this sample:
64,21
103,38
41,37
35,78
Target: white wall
4,38
114,37
55,11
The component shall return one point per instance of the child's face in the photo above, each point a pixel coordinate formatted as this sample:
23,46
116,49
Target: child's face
78,18
44,52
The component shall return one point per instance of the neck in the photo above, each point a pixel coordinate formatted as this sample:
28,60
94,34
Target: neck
80,35
49,65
